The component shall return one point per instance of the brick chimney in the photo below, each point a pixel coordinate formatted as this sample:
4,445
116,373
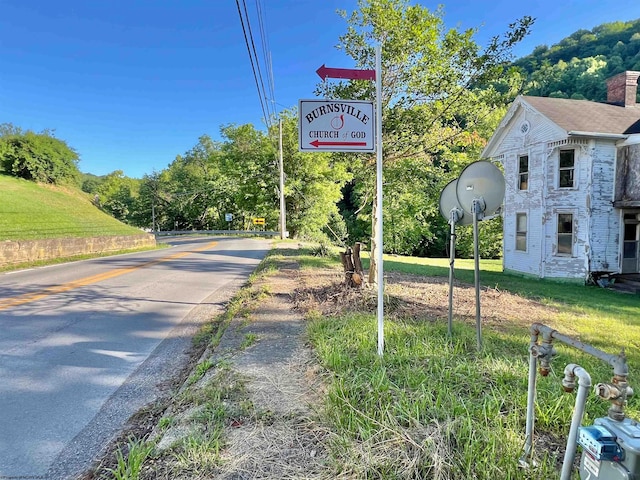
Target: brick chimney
623,88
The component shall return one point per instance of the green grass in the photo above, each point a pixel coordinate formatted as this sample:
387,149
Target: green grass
435,407
598,316
29,211
199,371
248,340
218,403
129,464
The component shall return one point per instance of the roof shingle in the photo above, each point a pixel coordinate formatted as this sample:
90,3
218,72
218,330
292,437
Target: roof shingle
587,116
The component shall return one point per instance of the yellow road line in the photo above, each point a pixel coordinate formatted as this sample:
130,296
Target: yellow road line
83,282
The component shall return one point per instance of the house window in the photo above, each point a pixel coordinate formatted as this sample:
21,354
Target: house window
521,232
523,172
567,168
565,233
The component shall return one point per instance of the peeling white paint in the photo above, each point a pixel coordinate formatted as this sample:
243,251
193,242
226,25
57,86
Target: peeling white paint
597,224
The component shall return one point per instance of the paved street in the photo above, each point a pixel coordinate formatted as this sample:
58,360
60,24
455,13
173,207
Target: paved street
84,345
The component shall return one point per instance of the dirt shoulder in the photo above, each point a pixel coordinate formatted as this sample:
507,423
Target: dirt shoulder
265,377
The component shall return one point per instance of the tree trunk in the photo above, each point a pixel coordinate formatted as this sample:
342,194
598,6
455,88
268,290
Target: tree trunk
352,265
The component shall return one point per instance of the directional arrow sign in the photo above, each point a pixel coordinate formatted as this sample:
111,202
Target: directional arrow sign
346,73
336,126
317,143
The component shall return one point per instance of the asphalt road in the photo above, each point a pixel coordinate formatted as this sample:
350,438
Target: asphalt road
84,345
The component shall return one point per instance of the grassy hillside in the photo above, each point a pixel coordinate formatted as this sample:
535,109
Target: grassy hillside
31,211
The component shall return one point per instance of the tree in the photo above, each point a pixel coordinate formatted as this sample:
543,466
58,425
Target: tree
249,163
117,195
436,83
313,184
192,193
37,156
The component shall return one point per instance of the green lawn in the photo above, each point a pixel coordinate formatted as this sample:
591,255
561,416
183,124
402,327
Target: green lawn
435,407
29,211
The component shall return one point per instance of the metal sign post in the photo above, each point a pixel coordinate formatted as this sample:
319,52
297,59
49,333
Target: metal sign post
379,203
478,209
348,126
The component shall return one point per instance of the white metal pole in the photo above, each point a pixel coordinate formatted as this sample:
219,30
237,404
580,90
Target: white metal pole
379,199
283,211
453,216
476,257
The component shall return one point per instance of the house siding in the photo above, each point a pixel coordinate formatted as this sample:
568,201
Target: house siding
595,224
604,218
531,201
628,175
567,200
606,186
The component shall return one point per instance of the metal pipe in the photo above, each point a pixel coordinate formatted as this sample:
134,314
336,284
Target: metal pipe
618,362
525,460
584,385
476,255
452,257
378,233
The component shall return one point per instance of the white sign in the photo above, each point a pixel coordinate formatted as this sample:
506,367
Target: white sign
228,217
336,126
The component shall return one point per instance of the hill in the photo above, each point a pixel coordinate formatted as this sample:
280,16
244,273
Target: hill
578,65
30,211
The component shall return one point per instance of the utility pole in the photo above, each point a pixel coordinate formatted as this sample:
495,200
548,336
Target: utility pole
283,213
153,217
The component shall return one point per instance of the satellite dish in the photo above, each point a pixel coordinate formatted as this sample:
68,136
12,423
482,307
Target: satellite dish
480,181
449,201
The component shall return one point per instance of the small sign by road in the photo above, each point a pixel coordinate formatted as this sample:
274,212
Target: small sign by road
336,126
346,73
258,221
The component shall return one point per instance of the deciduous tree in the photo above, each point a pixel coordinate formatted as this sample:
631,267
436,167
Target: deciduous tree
437,83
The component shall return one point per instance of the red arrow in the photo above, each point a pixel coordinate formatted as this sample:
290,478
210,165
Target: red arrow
318,143
348,73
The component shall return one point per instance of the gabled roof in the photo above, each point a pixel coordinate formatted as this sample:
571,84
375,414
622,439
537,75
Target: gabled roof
587,116
577,117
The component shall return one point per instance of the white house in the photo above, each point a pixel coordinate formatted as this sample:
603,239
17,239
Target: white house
572,172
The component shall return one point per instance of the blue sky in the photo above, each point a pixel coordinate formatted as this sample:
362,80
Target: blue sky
130,84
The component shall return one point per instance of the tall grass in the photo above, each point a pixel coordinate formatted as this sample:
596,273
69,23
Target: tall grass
434,407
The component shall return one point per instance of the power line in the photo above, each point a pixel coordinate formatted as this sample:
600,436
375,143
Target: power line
266,51
255,55
253,67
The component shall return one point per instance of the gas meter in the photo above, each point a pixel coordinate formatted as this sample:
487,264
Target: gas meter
610,450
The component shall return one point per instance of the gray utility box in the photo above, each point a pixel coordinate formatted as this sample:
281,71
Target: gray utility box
610,450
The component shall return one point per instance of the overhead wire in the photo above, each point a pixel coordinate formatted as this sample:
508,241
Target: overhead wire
266,51
266,93
255,55
265,110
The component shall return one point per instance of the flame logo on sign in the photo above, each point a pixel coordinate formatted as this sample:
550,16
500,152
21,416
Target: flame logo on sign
337,122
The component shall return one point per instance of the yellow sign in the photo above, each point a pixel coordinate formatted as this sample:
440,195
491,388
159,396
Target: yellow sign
258,221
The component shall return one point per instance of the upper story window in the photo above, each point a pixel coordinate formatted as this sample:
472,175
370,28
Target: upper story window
566,169
565,234
523,172
521,232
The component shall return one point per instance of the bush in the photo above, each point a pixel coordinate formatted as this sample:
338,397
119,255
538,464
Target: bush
39,157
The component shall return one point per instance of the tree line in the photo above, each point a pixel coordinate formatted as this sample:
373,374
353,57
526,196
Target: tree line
577,67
